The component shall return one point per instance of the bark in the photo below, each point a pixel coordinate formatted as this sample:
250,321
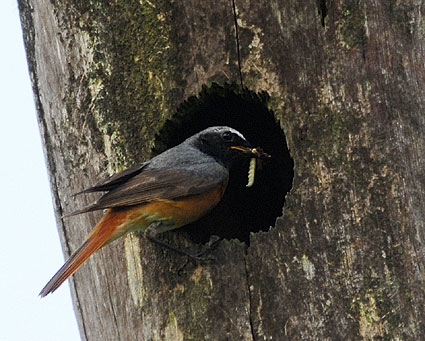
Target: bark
346,81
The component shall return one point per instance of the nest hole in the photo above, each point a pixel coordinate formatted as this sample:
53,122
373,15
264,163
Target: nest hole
243,209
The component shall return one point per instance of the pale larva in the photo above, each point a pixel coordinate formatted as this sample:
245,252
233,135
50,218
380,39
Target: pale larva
251,172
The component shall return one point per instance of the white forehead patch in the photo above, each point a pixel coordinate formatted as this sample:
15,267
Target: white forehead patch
237,133
224,128
234,131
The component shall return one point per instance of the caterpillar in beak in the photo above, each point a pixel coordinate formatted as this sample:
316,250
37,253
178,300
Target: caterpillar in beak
251,172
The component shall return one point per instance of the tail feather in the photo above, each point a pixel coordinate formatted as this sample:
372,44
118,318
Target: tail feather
102,233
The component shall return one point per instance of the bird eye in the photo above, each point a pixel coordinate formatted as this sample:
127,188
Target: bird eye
227,136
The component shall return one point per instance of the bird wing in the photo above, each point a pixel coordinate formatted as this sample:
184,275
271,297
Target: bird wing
150,184
115,180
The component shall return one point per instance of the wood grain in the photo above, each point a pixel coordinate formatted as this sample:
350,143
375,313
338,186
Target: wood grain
346,80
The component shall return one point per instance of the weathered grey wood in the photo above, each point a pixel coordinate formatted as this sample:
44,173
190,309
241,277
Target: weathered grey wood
346,259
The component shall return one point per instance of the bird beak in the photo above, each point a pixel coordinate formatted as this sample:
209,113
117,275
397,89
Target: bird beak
255,152
245,150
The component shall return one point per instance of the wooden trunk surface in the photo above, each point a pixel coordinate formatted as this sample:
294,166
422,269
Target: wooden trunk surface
346,80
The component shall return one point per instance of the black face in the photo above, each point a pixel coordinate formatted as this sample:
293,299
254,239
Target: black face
220,142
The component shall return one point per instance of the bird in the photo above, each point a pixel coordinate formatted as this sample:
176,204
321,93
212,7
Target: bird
171,190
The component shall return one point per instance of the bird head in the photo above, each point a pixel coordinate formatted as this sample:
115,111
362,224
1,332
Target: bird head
225,144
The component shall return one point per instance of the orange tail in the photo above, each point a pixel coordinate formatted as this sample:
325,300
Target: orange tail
101,234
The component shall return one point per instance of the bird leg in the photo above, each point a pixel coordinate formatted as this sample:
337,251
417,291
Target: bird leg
153,231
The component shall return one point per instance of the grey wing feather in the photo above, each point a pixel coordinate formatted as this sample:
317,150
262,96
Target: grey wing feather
166,184
115,180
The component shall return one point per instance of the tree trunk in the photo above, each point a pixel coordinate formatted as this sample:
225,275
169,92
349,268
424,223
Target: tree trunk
346,81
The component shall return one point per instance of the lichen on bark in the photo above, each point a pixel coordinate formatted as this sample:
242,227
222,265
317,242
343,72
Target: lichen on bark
130,78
